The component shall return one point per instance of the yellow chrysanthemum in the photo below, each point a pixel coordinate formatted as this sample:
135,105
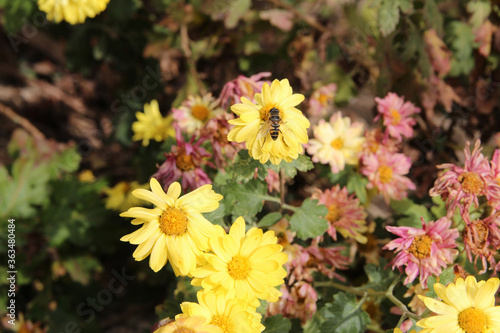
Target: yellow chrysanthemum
86,176
229,314
253,117
194,324
72,11
246,266
337,142
175,230
195,112
120,196
468,307
151,124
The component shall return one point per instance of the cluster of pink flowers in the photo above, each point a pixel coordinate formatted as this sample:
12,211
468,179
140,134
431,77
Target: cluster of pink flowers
464,187
299,296
384,167
202,119
424,251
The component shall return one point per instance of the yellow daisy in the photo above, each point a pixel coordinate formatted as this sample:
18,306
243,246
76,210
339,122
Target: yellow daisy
194,324
337,142
72,11
120,196
195,112
229,314
253,125
151,124
175,229
468,307
246,266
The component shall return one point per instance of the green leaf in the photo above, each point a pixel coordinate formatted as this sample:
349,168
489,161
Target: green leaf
357,184
433,17
480,11
306,220
447,276
244,199
379,278
269,220
344,315
412,213
277,324
81,268
244,167
302,163
461,38
388,16
217,216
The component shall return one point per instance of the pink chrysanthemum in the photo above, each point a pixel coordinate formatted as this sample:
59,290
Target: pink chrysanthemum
216,131
375,141
423,251
184,160
345,214
298,301
462,186
242,86
321,99
396,114
482,240
495,165
386,171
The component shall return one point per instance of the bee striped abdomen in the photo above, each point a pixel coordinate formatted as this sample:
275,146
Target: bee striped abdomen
274,118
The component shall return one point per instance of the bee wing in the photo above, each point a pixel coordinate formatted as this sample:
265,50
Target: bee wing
287,133
264,130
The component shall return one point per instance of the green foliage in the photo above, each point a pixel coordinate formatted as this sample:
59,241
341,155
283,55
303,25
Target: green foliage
277,324
81,268
302,163
15,14
388,16
269,220
244,167
308,220
344,315
244,199
412,213
379,277
357,184
433,17
461,38
446,277
480,10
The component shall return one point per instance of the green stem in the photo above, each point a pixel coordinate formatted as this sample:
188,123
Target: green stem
278,200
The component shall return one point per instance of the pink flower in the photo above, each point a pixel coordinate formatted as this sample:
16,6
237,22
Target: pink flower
184,160
273,181
298,301
495,165
482,239
423,251
461,186
376,141
345,213
386,171
396,115
321,99
216,130
242,86
328,259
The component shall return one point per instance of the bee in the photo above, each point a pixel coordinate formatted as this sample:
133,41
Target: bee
274,125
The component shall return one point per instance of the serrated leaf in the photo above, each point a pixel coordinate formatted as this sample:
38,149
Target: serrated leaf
433,16
357,184
308,220
269,220
244,199
217,216
412,213
379,278
461,38
277,324
302,163
244,168
344,315
480,11
388,16
447,276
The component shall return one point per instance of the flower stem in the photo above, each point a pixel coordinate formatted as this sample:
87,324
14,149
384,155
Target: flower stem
282,189
189,57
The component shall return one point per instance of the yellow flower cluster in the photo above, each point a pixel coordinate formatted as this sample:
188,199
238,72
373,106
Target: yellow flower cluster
151,125
72,11
250,263
273,129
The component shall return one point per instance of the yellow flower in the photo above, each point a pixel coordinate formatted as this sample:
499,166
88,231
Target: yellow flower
337,142
86,176
120,196
72,11
151,125
196,112
246,266
229,314
175,229
194,324
468,307
253,123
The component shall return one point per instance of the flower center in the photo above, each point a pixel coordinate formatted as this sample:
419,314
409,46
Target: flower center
385,174
184,162
421,247
183,330
472,321
396,117
200,112
239,267
334,213
173,222
222,322
471,182
323,99
337,143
